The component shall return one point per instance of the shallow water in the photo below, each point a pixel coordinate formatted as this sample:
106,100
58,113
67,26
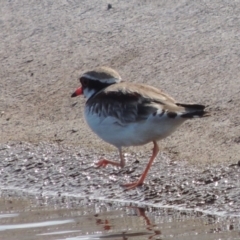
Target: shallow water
50,218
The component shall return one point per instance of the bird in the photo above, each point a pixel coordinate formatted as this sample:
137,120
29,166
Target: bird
127,114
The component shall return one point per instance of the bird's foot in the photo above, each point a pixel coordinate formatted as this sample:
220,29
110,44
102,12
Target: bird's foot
129,186
104,162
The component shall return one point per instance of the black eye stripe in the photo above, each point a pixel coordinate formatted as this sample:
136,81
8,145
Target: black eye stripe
84,81
82,78
93,84
97,85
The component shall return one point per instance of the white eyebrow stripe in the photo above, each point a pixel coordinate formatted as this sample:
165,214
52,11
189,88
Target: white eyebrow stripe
105,80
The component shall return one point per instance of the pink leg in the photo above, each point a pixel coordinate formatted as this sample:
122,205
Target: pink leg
144,174
104,162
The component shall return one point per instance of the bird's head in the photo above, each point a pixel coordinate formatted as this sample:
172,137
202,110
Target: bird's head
96,80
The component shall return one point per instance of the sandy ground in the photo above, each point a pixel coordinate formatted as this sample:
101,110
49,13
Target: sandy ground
190,49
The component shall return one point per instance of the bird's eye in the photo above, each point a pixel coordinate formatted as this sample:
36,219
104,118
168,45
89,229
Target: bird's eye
84,82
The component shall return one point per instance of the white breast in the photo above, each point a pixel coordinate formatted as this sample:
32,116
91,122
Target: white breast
131,134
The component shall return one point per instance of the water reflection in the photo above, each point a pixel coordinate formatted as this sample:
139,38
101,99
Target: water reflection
27,220
136,212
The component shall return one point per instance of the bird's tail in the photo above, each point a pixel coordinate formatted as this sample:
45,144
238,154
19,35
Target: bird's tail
193,110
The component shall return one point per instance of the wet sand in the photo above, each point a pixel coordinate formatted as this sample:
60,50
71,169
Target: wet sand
65,171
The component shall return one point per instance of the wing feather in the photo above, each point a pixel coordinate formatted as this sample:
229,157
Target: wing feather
130,102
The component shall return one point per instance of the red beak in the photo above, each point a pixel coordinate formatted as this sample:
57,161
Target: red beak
79,91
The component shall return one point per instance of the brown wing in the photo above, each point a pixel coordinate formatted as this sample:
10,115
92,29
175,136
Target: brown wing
130,102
